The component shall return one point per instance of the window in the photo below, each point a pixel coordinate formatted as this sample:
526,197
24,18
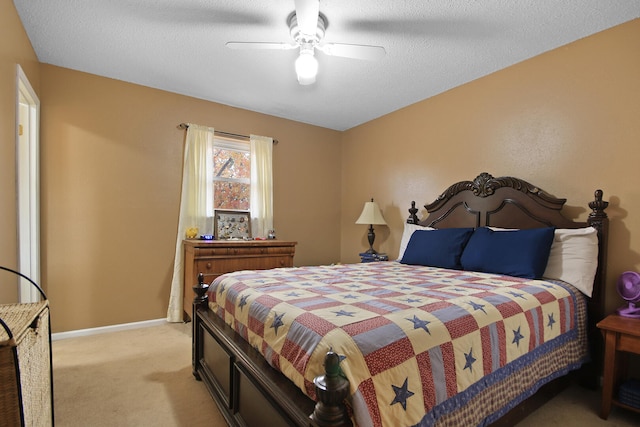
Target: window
231,175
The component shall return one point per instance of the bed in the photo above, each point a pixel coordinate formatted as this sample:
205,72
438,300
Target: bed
489,310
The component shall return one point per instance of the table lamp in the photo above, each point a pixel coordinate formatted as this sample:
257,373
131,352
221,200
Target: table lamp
371,215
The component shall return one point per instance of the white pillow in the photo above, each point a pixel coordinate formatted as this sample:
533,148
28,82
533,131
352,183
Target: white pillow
574,257
406,235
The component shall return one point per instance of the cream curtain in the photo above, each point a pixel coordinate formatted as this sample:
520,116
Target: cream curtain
261,185
196,203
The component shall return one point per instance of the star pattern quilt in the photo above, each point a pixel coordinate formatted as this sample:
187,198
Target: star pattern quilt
419,345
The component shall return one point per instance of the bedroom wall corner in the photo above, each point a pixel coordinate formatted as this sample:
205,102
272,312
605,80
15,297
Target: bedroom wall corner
15,48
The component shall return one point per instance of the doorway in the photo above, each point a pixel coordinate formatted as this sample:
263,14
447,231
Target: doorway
28,185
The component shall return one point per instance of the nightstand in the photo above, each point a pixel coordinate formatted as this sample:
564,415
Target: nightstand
621,334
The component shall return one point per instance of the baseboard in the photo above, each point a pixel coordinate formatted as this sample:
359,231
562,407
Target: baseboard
104,329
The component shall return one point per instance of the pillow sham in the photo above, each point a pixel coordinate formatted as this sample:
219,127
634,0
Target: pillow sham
574,257
519,253
406,235
437,247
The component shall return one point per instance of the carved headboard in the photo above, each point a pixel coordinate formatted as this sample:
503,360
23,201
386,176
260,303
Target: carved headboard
499,202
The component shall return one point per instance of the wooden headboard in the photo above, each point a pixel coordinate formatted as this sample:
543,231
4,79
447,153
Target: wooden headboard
511,202
498,202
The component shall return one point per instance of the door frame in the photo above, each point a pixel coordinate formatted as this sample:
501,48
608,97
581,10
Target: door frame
27,185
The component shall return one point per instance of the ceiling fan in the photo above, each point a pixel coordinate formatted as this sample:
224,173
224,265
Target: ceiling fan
307,28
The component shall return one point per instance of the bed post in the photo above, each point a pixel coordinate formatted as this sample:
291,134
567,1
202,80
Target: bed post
599,220
331,390
200,301
413,218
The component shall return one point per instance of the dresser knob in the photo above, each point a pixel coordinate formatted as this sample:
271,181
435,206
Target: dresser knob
208,266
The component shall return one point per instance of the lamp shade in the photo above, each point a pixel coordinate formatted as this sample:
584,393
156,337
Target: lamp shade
371,214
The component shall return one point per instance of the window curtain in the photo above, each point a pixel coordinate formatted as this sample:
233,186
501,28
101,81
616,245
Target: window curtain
195,201
261,185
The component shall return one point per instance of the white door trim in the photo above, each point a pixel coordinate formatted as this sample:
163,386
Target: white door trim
28,185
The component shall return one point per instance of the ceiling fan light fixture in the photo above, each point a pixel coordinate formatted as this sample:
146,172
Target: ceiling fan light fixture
307,26
306,67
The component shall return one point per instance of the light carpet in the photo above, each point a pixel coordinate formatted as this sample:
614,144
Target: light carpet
142,377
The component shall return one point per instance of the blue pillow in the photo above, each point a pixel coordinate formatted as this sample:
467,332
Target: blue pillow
520,253
437,248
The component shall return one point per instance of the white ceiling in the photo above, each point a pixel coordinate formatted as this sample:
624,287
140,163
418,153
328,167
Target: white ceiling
432,46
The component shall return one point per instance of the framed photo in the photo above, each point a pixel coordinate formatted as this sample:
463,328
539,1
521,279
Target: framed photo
232,224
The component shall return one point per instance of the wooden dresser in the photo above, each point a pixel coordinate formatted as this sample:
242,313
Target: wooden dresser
215,257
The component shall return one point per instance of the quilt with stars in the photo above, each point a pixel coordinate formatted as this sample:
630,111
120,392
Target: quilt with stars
419,345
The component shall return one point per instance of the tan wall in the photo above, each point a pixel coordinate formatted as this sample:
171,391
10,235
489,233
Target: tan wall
567,120
15,49
111,172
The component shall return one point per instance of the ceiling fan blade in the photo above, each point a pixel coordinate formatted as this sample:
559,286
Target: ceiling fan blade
356,51
307,12
260,45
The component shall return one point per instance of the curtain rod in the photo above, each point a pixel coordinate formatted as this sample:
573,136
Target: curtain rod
185,126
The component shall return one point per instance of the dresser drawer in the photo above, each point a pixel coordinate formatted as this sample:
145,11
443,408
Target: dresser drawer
205,252
226,265
285,250
213,266
233,251
248,251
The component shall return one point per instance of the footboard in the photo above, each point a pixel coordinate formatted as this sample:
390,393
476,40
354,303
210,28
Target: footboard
247,390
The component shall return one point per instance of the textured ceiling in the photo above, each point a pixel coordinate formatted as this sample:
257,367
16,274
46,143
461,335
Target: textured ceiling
432,46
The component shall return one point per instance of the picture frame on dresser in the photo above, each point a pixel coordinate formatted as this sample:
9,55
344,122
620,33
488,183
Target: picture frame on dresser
230,224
